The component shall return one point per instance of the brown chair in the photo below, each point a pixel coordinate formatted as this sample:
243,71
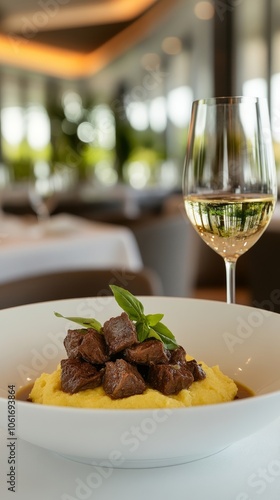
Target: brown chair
75,284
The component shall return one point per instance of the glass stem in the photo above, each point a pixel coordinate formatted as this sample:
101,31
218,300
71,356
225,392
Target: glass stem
230,280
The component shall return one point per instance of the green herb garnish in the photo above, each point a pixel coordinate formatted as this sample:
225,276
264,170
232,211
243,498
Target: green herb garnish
85,322
147,326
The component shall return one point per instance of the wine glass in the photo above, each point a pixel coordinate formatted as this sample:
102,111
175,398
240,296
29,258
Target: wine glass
44,187
229,179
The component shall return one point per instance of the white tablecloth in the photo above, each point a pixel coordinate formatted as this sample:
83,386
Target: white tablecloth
28,248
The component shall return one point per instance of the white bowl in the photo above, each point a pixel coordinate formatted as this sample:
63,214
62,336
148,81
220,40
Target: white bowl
243,341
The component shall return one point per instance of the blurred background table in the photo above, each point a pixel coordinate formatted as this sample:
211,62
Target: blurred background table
155,217
64,242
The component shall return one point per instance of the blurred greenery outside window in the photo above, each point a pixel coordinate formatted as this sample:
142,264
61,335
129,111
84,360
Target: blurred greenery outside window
257,36
98,142
140,141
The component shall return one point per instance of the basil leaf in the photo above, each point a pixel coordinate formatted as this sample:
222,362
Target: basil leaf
85,322
142,330
166,336
153,334
153,319
161,328
167,342
128,303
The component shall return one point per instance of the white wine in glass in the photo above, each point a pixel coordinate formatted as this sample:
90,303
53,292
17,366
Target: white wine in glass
229,179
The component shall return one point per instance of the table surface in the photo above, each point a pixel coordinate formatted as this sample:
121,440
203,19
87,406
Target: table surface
64,242
247,470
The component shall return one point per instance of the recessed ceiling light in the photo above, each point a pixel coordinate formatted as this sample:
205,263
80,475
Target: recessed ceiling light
204,10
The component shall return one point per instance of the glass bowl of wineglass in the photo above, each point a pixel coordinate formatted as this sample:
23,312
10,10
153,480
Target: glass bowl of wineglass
43,189
229,178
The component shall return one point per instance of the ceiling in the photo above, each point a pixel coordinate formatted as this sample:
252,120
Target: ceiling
80,25
73,38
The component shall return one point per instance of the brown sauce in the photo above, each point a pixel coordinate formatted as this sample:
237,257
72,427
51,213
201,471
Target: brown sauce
23,393
242,393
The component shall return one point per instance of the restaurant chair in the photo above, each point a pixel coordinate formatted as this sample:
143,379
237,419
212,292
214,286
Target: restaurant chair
168,245
264,272
77,283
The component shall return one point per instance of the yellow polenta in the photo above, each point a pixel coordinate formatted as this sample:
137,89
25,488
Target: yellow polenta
215,388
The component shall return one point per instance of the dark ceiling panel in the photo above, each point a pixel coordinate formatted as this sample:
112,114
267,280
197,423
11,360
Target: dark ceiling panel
84,40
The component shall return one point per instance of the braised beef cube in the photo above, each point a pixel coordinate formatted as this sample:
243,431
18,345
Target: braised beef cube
170,379
151,351
73,341
78,375
178,356
196,369
93,348
119,333
122,380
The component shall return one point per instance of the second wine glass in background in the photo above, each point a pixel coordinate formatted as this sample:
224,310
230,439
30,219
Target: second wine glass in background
10,225
42,190
47,184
